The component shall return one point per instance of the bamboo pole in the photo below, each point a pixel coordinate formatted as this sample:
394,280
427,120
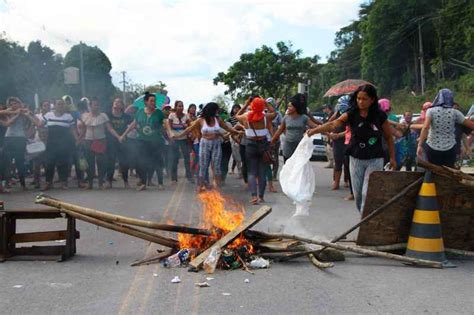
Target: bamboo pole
113,218
363,251
125,229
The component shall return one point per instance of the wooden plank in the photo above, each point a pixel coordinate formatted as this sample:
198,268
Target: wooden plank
197,262
456,202
415,186
41,236
396,219
34,210
39,250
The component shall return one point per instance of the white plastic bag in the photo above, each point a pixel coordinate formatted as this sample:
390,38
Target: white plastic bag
297,176
34,148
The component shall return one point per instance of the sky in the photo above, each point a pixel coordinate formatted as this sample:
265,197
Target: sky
183,43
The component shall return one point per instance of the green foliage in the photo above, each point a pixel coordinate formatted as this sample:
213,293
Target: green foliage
14,70
266,72
38,69
382,46
45,68
223,101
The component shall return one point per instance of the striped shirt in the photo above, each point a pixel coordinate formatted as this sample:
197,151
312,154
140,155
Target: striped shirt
65,120
59,129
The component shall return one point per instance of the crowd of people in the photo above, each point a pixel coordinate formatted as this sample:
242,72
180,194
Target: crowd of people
96,141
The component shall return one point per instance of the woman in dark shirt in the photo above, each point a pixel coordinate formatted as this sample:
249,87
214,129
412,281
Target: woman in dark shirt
368,124
117,150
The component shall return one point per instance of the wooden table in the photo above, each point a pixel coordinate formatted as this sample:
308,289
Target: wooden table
9,237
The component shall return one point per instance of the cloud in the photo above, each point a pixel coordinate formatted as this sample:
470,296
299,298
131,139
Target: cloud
182,43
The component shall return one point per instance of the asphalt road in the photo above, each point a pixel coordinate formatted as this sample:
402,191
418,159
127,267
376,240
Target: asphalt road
99,280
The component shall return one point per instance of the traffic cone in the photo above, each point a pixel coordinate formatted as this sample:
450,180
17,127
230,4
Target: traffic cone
425,240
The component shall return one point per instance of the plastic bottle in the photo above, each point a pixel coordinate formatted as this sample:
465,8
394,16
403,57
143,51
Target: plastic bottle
172,261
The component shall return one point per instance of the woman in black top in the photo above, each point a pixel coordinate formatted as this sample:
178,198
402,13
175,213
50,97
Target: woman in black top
117,150
368,124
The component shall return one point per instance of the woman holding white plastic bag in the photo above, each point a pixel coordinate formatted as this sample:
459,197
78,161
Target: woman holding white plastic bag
297,176
368,124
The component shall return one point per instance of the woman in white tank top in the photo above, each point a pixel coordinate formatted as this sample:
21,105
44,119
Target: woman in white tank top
258,133
210,150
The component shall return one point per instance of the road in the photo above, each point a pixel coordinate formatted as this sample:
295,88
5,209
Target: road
99,279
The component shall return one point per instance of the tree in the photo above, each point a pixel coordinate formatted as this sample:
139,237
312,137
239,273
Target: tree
266,72
14,71
45,70
97,66
136,90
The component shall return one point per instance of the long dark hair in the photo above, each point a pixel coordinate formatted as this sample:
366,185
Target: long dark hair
372,93
299,103
232,114
209,111
147,96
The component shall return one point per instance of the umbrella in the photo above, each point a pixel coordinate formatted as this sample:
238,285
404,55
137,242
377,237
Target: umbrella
345,87
160,100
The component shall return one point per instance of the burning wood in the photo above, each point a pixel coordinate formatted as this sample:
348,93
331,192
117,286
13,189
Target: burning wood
223,240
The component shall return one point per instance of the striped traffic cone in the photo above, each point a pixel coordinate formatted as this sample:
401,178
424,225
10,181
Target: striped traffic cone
425,240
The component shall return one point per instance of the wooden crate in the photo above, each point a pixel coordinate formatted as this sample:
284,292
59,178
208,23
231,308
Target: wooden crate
392,226
9,238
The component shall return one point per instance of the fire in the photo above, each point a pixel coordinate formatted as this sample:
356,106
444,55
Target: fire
218,219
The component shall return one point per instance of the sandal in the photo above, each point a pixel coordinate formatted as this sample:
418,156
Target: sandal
254,201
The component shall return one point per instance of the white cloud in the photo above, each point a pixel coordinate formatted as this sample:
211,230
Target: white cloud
183,43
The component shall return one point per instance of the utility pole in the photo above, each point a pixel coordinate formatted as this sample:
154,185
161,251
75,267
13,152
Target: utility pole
124,96
83,81
422,61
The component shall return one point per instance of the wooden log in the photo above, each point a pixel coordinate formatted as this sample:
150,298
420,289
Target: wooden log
156,258
197,262
445,171
319,264
387,248
400,246
126,230
363,251
113,218
41,236
283,245
460,252
380,209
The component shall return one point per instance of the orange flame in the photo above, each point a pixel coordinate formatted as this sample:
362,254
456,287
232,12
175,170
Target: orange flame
217,219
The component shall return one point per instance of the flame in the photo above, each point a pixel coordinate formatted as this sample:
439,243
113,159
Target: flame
217,219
